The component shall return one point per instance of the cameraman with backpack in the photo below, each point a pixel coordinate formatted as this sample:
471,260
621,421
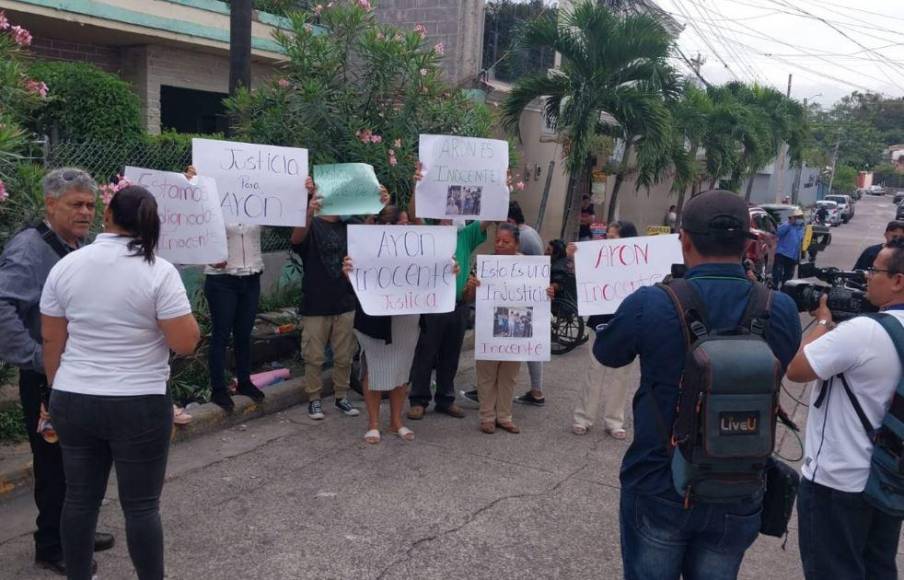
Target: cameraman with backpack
683,513
850,503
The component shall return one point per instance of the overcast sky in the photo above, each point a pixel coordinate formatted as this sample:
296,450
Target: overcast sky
859,44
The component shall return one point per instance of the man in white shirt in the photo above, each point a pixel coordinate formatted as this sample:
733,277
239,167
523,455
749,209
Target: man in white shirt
841,534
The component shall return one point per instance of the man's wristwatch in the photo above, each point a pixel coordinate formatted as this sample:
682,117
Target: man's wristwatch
827,323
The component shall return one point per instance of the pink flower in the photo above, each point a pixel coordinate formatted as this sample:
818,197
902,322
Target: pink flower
520,186
398,37
380,36
376,139
4,21
365,4
392,158
318,9
106,193
36,88
364,135
21,36
397,143
3,194
284,83
424,72
439,48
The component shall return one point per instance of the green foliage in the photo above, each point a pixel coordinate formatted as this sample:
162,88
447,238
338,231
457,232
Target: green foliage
12,425
845,179
359,80
25,204
85,103
862,125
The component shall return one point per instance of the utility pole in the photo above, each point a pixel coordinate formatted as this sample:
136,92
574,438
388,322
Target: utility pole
834,161
780,160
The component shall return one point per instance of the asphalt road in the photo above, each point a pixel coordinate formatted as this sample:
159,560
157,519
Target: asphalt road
285,497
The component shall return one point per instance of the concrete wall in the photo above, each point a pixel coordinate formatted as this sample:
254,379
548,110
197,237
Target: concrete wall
458,24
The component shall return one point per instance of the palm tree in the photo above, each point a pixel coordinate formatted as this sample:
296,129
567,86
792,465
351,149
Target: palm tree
611,63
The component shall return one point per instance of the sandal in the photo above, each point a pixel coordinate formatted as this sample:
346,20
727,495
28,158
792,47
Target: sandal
180,417
488,427
619,434
508,426
404,433
578,429
372,436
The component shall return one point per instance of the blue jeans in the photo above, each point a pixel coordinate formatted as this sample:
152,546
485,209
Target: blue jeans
660,540
96,432
843,537
233,308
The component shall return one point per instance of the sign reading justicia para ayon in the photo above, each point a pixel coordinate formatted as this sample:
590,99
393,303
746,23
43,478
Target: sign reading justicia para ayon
513,318
258,184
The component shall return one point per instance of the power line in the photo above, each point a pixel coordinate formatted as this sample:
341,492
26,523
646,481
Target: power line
692,24
757,73
731,50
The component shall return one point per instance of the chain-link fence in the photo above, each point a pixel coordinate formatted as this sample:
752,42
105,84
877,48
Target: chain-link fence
106,160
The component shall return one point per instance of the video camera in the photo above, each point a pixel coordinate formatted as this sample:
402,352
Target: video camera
846,291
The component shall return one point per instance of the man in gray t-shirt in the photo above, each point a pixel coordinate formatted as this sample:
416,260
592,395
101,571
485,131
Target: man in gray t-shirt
531,245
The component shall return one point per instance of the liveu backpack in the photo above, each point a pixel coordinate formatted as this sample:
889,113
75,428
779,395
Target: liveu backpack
885,487
724,430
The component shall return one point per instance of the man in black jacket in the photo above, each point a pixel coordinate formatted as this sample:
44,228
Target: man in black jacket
893,231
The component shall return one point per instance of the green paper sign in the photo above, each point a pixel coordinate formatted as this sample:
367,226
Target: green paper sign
347,189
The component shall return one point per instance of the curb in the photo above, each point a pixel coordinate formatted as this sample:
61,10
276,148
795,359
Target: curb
207,418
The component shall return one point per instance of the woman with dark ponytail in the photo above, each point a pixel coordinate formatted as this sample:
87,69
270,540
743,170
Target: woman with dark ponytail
111,312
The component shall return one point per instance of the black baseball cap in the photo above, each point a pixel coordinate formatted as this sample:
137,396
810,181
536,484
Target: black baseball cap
717,213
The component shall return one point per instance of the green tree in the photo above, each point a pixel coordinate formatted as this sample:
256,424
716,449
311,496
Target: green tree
611,63
502,25
363,92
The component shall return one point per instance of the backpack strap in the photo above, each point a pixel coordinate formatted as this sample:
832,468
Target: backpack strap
759,305
690,308
51,239
864,420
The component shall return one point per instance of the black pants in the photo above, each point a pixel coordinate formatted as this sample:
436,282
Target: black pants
95,433
783,270
50,483
844,537
439,347
233,308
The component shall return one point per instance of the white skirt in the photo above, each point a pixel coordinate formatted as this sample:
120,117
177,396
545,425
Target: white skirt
389,365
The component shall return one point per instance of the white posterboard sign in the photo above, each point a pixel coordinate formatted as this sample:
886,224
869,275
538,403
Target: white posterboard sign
258,184
403,269
463,178
191,225
513,319
608,271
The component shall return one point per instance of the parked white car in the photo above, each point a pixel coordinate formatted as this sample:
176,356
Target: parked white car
845,206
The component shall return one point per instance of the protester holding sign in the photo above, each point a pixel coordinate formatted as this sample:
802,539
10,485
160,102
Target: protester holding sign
517,329
388,343
617,382
233,289
439,347
327,303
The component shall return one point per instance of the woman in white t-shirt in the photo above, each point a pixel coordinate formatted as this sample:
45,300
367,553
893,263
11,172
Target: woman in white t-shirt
111,313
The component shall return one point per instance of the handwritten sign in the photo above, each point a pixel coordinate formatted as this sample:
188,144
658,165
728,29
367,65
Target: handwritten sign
513,319
403,269
348,189
608,271
658,230
258,184
191,224
463,178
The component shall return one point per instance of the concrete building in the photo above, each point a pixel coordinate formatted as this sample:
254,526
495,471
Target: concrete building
175,53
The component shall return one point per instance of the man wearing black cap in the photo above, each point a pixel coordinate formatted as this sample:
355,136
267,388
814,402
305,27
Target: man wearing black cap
660,536
893,231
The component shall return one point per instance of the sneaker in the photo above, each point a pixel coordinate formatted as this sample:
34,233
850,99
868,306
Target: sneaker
223,400
315,410
470,396
528,399
346,408
251,391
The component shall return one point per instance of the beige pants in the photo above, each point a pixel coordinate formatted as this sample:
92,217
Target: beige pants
338,332
496,388
617,382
